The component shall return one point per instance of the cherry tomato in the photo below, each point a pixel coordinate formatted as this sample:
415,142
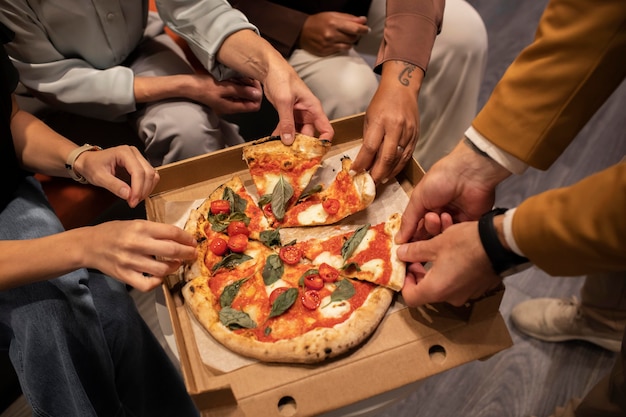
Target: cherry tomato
218,246
328,273
274,294
220,207
290,255
311,299
267,209
238,243
331,205
237,228
313,282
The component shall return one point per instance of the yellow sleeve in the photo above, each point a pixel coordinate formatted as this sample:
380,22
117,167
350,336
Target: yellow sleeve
557,83
578,229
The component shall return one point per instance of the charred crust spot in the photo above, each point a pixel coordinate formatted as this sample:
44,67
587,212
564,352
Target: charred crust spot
328,351
192,289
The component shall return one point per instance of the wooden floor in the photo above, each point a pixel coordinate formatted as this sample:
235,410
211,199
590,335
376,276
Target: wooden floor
532,377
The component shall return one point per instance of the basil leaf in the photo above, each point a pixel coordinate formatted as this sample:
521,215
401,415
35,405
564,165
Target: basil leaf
349,265
237,203
220,222
344,291
235,319
230,292
273,269
270,238
283,191
283,302
350,245
306,274
265,199
312,191
231,260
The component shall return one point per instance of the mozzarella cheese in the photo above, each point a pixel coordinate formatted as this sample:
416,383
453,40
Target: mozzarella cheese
278,284
334,309
335,261
374,266
313,215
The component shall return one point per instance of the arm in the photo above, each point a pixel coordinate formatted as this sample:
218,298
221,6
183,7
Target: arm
532,115
391,128
229,41
279,25
125,250
558,82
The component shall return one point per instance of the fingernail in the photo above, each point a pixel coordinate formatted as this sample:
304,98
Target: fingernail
384,181
352,173
287,137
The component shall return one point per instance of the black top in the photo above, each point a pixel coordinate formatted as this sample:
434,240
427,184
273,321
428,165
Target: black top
12,174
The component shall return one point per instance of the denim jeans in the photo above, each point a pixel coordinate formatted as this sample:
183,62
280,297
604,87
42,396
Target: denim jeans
77,342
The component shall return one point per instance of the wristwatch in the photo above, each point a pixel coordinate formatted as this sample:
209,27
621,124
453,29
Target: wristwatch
502,259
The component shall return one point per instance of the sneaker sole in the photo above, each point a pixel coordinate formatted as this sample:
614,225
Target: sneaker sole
612,345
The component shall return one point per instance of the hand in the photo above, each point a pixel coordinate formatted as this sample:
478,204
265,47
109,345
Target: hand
297,107
102,168
390,133
327,33
459,187
460,269
138,252
235,95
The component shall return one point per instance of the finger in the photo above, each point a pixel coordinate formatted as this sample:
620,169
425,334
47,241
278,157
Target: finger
432,223
416,252
411,217
286,126
418,291
372,139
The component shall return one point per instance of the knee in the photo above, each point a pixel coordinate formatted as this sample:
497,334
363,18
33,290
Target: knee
463,32
350,92
177,130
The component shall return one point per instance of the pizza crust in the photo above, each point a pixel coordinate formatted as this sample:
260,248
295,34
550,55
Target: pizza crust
311,347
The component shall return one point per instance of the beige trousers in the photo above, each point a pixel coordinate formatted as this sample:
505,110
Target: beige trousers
345,83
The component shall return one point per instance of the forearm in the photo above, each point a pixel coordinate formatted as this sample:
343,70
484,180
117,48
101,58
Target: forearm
27,261
577,229
251,55
151,89
557,83
38,147
280,25
406,23
403,77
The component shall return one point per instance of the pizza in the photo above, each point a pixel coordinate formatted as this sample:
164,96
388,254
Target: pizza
281,173
297,294
347,194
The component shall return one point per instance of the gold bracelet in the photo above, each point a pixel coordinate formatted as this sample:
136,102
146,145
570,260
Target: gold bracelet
71,158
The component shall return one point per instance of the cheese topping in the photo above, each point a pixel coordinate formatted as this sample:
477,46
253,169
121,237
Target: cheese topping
313,215
335,309
335,261
375,267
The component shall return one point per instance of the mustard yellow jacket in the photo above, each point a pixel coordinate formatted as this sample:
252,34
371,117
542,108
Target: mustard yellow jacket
544,99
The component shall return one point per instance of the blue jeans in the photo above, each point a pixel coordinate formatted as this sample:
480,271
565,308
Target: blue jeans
77,342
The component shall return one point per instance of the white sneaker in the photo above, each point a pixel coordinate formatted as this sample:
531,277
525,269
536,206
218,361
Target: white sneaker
558,320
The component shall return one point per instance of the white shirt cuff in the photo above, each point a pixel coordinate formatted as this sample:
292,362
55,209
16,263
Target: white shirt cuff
505,159
507,225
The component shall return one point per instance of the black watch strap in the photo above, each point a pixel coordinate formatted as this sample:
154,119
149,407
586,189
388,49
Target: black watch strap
501,258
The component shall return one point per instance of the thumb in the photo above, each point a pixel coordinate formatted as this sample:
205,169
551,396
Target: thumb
286,126
420,251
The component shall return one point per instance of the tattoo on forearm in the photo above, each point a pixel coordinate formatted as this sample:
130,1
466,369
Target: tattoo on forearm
406,74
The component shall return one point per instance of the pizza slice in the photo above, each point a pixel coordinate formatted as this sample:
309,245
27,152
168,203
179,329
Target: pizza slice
367,253
347,194
281,173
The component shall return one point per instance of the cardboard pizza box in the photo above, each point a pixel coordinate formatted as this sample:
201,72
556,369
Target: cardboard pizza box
408,346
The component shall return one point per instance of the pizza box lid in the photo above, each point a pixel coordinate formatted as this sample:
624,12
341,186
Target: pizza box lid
408,346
